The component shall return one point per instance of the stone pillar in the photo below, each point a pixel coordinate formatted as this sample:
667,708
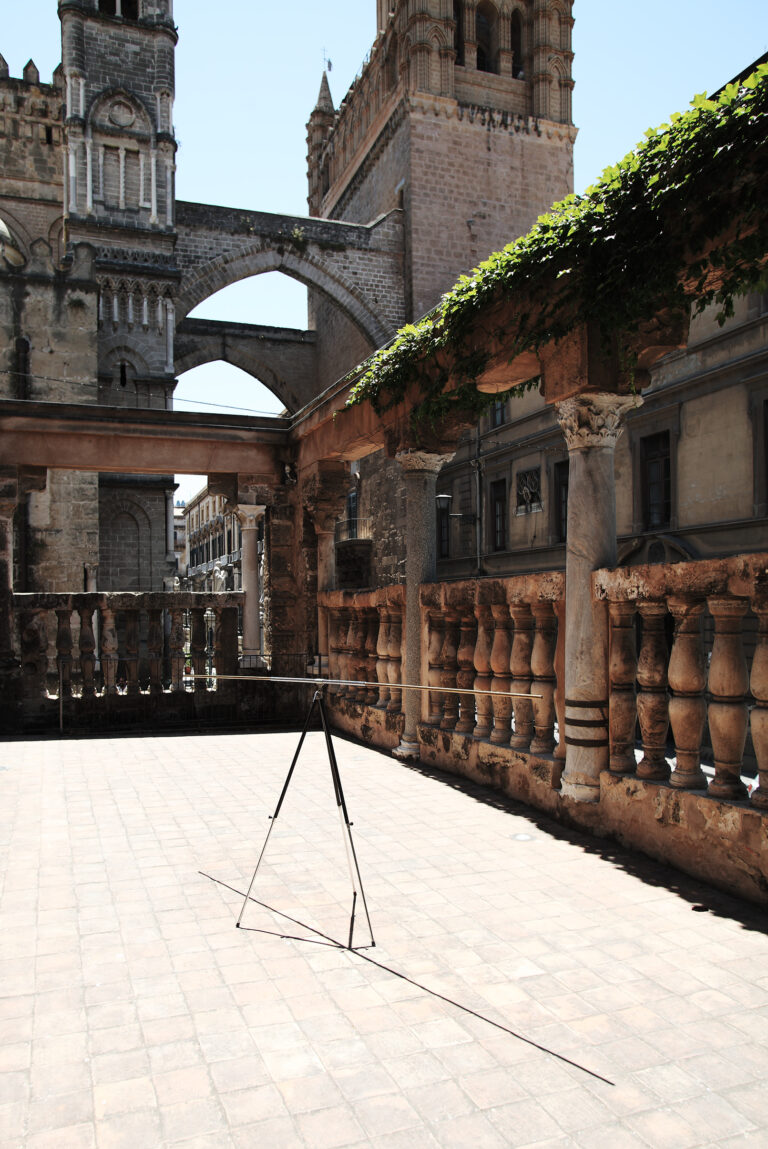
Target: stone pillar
10,669
591,425
170,539
250,517
326,578
420,468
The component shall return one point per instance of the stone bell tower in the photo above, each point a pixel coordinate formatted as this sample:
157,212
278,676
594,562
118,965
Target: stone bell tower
461,118
119,165
461,121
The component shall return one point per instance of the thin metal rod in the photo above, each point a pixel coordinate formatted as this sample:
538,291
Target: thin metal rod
355,682
273,818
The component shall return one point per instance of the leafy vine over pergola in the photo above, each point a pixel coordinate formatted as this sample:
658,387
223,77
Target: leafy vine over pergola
679,223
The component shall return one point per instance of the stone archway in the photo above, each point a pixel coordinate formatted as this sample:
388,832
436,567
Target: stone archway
358,267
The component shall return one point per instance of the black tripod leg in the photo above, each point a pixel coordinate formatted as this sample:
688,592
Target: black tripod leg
346,828
316,700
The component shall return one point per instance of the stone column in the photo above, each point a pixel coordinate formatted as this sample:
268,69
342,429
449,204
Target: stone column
10,669
591,425
170,539
420,469
326,578
250,517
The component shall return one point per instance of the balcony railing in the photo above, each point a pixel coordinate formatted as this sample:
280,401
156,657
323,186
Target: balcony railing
97,645
349,530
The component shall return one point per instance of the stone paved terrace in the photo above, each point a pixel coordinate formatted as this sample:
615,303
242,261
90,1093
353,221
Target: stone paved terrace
133,1013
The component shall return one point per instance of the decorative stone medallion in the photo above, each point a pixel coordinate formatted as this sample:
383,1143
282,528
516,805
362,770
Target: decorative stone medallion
121,114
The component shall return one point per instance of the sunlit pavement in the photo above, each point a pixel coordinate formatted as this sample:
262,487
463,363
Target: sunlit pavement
134,1014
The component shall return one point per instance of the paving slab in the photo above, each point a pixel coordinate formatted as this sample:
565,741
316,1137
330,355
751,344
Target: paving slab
528,986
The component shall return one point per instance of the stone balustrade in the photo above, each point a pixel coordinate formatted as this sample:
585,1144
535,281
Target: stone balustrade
365,633
495,641
699,677
95,645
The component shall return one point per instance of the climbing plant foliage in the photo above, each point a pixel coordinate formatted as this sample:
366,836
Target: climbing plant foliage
679,223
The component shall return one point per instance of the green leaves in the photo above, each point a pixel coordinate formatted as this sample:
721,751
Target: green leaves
646,237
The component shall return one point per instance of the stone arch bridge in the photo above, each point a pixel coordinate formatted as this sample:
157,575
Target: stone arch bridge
359,267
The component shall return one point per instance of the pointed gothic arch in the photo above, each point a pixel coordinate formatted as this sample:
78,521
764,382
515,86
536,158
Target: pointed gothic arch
223,270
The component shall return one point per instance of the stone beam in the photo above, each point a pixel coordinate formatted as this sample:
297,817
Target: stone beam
135,441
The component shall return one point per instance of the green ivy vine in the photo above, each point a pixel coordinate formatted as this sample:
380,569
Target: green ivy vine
679,223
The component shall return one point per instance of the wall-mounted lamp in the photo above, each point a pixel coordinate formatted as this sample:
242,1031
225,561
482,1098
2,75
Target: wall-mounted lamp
444,504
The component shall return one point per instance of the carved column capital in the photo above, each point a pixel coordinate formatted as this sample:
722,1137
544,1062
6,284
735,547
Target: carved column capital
594,420
250,515
423,461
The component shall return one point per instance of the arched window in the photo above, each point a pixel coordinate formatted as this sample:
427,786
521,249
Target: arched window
108,7
486,37
131,9
458,32
517,44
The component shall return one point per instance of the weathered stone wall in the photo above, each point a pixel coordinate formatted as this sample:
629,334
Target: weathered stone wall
132,534
340,344
31,158
478,180
48,351
382,500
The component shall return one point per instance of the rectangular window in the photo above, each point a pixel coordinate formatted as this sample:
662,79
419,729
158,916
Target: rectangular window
655,477
528,491
443,533
499,413
560,499
498,508
352,514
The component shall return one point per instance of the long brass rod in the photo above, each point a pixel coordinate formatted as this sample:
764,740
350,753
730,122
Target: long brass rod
351,682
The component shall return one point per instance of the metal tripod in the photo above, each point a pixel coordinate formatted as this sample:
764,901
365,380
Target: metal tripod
346,826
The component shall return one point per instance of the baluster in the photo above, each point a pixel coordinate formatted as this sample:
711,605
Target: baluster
87,651
448,669
176,647
623,700
155,649
226,647
64,650
560,748
652,701
371,618
465,676
759,687
358,655
197,647
500,656
345,620
382,658
687,707
482,660
109,649
728,685
436,624
34,654
543,671
394,665
520,667
132,651
334,647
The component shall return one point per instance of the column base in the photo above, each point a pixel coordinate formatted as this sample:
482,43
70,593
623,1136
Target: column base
407,751
580,791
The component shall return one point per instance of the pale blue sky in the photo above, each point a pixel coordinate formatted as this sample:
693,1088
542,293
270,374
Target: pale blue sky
248,74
